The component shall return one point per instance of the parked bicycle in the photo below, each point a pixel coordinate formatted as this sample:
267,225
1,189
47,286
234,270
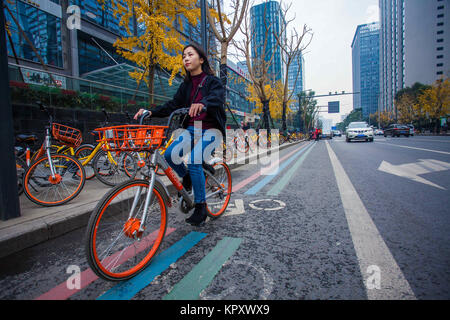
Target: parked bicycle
54,179
128,225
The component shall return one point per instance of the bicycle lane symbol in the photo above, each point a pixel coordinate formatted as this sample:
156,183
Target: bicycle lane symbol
238,207
279,205
267,283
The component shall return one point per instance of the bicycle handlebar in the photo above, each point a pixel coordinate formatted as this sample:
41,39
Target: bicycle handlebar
180,111
44,109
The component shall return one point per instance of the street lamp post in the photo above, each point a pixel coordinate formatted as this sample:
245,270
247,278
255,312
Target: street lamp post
9,198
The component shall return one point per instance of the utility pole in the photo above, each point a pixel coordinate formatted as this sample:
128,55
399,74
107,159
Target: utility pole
9,198
204,33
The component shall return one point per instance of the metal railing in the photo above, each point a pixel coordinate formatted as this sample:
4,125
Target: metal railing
74,92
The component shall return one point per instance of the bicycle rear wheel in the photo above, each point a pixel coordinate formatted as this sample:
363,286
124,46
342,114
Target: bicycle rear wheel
21,168
218,190
123,167
43,189
115,248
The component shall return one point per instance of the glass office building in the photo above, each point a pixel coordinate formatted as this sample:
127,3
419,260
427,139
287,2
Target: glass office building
296,78
42,29
365,62
262,15
85,59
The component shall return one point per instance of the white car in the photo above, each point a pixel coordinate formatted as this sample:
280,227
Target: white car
411,129
359,131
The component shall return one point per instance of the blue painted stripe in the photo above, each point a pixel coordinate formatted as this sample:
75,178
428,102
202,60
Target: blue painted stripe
128,289
190,287
257,187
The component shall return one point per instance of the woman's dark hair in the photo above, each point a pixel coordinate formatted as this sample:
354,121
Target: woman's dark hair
206,67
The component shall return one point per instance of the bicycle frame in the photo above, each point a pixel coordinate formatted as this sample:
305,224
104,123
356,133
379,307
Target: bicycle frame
157,159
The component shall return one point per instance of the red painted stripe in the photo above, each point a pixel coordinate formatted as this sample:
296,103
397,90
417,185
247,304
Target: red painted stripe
243,183
61,292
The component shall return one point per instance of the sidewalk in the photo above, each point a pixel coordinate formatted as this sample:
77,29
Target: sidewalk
38,224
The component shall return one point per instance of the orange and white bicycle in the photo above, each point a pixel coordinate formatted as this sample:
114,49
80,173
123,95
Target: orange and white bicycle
128,225
54,179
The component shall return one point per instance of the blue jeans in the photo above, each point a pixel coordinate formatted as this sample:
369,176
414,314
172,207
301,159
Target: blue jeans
177,150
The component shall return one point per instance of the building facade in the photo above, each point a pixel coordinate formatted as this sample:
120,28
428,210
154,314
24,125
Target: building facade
365,65
84,52
414,45
267,14
237,95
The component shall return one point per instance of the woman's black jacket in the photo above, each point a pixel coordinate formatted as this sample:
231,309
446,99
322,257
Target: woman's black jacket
213,99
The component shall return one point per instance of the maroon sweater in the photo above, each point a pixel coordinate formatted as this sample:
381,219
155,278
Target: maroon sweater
207,121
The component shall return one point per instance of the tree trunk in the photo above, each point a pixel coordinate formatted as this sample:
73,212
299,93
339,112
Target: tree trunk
151,83
283,118
223,65
266,111
436,127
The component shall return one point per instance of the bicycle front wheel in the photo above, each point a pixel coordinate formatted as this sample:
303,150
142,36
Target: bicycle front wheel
116,248
41,187
218,190
82,153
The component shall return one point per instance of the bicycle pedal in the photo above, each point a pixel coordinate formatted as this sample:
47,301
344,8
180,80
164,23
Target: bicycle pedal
173,202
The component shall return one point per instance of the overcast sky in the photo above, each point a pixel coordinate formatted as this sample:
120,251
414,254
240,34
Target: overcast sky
328,59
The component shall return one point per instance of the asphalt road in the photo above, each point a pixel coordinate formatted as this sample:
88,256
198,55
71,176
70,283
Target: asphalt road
337,221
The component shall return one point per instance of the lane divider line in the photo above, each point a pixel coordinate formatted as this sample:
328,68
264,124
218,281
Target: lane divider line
255,176
257,187
198,279
280,185
128,289
62,292
421,149
374,257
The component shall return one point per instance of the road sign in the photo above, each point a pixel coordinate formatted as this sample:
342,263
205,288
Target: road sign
333,107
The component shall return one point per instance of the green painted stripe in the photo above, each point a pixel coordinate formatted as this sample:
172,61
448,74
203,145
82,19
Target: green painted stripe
281,184
190,287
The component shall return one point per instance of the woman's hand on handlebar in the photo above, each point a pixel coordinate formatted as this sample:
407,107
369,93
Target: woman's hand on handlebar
196,109
140,113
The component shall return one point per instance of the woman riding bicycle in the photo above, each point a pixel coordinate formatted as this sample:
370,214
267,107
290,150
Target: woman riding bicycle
200,89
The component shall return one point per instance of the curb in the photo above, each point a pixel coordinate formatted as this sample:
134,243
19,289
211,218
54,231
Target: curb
30,233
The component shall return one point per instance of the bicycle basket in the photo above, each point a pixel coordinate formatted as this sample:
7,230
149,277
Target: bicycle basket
132,137
67,135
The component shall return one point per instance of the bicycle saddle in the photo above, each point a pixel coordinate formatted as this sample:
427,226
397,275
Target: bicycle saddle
27,138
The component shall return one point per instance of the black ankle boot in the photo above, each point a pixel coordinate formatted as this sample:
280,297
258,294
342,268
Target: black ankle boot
199,215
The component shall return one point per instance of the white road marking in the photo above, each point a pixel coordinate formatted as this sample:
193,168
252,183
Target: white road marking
236,208
413,170
370,247
426,140
429,150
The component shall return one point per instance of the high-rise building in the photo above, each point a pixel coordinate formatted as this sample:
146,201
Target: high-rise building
265,20
414,45
365,64
296,77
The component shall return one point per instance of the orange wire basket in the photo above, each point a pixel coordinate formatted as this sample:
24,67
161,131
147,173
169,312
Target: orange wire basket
67,135
132,137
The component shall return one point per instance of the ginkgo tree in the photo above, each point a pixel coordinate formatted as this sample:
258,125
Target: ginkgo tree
157,42
435,101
